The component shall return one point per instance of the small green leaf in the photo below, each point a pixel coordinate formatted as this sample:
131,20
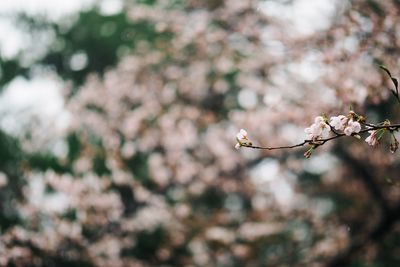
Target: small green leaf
380,133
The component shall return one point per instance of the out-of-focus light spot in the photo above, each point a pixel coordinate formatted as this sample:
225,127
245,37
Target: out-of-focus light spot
273,46
273,97
22,94
3,179
220,234
128,149
322,206
123,50
268,179
301,233
365,23
50,8
176,193
282,191
108,29
255,230
247,99
60,148
304,17
318,164
52,203
291,133
12,40
259,201
111,7
39,98
308,69
351,43
58,45
233,203
266,171
78,61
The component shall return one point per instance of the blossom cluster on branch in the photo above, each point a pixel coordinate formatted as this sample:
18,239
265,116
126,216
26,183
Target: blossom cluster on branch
324,129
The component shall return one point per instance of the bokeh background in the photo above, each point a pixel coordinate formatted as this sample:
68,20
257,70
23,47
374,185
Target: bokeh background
118,123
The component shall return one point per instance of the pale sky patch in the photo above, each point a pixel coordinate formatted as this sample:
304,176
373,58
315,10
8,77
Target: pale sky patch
39,98
303,17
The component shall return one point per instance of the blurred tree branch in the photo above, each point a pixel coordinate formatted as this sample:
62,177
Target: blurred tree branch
389,216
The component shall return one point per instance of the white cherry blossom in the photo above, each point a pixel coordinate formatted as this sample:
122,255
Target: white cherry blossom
319,129
352,127
242,134
372,139
242,139
339,122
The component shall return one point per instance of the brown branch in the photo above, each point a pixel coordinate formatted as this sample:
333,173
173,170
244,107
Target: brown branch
319,142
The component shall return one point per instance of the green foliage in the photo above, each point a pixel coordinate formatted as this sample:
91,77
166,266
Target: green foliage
146,244
99,164
147,2
139,167
100,40
98,37
374,5
46,161
10,152
211,200
9,69
74,146
10,163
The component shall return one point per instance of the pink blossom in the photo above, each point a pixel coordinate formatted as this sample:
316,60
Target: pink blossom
352,127
242,139
242,135
339,122
372,139
319,129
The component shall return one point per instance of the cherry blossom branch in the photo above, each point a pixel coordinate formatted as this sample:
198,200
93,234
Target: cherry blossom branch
319,130
392,127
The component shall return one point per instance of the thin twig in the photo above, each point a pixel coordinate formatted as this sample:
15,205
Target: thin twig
319,142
